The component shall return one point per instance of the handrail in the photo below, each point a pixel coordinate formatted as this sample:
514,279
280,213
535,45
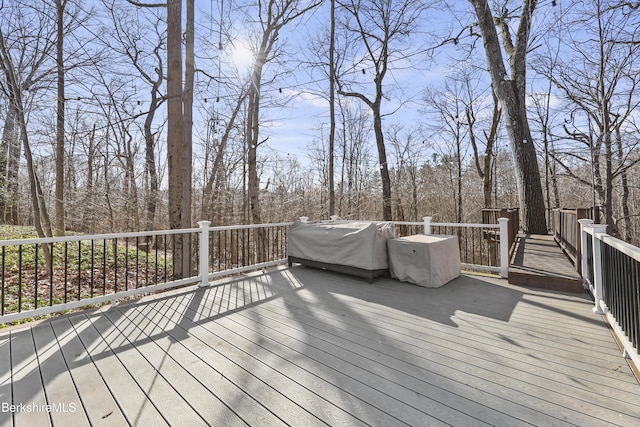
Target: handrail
42,276
566,232
612,273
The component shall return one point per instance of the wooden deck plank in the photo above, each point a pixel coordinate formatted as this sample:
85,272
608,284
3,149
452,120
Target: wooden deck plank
411,361
201,387
479,365
300,346
265,381
538,261
439,402
484,342
158,389
6,396
28,389
66,406
135,405
252,396
97,402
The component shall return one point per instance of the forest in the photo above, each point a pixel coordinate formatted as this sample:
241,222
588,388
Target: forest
123,115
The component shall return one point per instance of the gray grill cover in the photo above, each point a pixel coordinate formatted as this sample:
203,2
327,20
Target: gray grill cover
425,260
355,244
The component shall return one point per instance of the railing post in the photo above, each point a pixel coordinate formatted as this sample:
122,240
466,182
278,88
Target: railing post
204,252
504,247
583,249
597,266
427,224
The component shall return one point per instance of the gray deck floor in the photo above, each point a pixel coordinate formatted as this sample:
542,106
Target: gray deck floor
305,347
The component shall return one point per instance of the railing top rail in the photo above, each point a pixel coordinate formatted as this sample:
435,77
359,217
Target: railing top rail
471,225
624,247
241,227
421,223
75,238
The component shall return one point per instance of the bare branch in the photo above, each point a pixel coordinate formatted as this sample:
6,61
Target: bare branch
139,4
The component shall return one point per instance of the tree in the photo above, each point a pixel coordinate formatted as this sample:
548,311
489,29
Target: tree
597,75
377,35
406,153
60,69
510,89
485,162
273,16
141,39
450,130
34,56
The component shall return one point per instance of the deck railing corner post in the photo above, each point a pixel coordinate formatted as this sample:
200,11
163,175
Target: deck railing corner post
504,247
204,252
427,224
598,231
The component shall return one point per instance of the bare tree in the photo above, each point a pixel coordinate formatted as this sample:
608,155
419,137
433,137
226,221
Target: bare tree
510,89
484,162
273,16
599,80
449,134
377,35
407,154
141,39
16,84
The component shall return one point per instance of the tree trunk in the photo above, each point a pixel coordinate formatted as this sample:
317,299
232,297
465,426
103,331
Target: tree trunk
187,99
332,109
9,167
511,94
624,184
59,190
175,139
89,202
217,162
387,214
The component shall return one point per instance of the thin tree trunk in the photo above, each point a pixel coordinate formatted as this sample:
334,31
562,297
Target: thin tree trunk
332,108
59,188
624,184
9,166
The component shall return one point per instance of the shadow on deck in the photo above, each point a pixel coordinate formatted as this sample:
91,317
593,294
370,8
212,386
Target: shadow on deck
299,346
539,262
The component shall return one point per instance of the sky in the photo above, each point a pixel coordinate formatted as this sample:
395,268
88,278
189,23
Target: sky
292,128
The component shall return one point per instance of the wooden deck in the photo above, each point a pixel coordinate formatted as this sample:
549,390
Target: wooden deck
539,262
304,347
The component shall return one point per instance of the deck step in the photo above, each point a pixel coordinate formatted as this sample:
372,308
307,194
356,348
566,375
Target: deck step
539,262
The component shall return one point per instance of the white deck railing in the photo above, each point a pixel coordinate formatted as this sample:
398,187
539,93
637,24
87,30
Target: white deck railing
611,270
44,276
95,269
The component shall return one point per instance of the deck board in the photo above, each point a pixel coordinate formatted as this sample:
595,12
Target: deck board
56,378
27,383
98,404
6,395
153,376
299,346
271,373
538,261
135,405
